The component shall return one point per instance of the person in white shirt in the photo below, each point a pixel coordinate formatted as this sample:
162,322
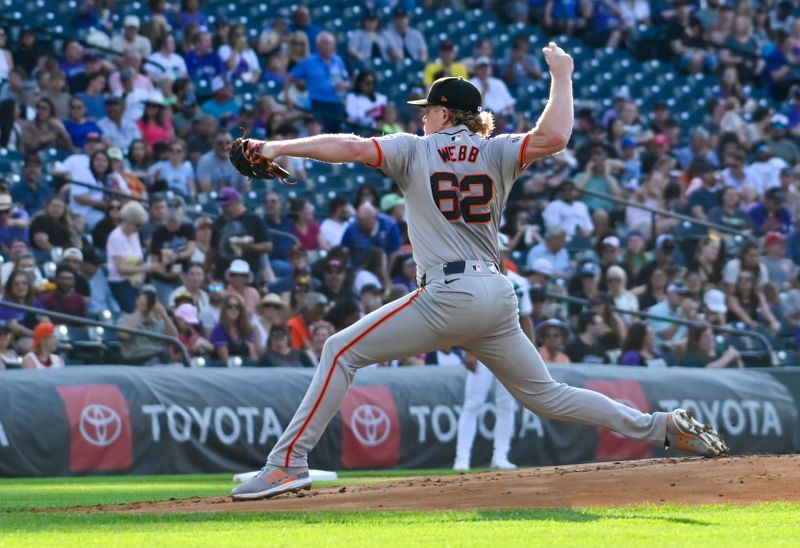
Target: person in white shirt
239,58
339,215
565,212
553,250
130,39
496,97
364,105
43,355
765,171
165,61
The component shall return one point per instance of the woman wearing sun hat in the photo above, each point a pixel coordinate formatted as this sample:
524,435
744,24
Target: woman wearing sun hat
43,355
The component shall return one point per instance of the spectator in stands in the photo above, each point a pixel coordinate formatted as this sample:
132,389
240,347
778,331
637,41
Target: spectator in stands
404,272
9,359
326,78
121,132
12,225
44,131
639,347
84,200
193,278
781,271
27,52
171,249
130,39
19,289
562,17
280,353
305,228
705,197
203,226
239,276
698,149
187,324
51,226
186,114
496,97
368,42
239,58
747,303
771,214
73,64
741,50
701,351
189,15
445,65
519,68
367,193
370,229
269,312
131,83
155,124
201,137
603,22
301,22
43,353
93,98
665,259
233,335
364,105
31,192
779,141
177,172
147,315
77,125
214,169
789,188
553,250
123,180
405,42
765,169
73,258
126,265
728,212
165,60
749,260
568,214
617,280
276,220
585,347
203,61
222,104
229,238
320,332
310,310
780,72
335,283
598,177
584,285
20,257
64,299
688,44
371,271
550,337
676,306
333,227
708,259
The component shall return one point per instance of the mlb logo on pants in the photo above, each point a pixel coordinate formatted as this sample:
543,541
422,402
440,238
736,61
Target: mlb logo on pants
610,445
99,427
370,428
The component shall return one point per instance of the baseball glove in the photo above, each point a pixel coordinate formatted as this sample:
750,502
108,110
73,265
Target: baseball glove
245,155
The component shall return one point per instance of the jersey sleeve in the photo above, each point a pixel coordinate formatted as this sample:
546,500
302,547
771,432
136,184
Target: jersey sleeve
506,156
396,155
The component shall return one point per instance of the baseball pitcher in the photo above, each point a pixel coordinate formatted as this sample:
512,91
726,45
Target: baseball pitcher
456,180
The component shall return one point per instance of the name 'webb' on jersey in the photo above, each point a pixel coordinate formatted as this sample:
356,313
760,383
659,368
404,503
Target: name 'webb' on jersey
455,184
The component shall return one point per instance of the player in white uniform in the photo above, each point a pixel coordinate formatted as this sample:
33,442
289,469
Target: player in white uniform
455,181
479,382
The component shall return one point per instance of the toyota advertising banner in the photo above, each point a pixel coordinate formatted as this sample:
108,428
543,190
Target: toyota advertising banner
114,420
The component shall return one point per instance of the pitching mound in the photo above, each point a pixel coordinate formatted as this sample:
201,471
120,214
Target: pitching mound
740,480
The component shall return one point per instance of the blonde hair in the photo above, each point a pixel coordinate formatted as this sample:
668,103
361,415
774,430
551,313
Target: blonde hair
133,213
480,123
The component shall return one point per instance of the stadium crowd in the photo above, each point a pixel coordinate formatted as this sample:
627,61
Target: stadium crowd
119,146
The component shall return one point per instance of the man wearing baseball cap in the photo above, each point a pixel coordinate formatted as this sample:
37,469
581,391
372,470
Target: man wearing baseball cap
666,258
130,39
238,234
781,270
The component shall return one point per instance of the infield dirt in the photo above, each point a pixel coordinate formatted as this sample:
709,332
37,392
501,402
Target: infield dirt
737,480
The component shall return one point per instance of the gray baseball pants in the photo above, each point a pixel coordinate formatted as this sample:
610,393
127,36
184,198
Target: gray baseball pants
476,310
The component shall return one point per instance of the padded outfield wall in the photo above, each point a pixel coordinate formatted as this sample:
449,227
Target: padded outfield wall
131,420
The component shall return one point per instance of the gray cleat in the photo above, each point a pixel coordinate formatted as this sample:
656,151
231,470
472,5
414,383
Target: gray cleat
687,434
272,481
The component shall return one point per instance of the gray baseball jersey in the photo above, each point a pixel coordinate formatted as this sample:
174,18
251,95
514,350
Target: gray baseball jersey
455,185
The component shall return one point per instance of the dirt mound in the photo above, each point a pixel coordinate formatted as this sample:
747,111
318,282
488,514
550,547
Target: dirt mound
739,480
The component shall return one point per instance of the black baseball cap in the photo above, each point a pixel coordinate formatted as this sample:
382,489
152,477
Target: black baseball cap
452,92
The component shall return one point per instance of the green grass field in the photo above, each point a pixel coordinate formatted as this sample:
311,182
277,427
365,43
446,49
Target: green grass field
719,525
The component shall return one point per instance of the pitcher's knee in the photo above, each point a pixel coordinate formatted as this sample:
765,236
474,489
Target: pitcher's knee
346,354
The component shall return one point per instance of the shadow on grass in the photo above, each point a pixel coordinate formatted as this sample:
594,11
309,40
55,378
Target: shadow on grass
71,522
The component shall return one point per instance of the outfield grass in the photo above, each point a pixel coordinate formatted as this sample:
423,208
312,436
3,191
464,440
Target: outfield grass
668,525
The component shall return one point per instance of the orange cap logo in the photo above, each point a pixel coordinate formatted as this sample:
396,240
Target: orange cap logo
443,99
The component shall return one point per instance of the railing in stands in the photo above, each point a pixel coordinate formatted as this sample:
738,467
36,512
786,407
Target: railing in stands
105,325
688,323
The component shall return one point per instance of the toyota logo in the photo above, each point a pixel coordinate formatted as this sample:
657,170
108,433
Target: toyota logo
370,425
100,425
